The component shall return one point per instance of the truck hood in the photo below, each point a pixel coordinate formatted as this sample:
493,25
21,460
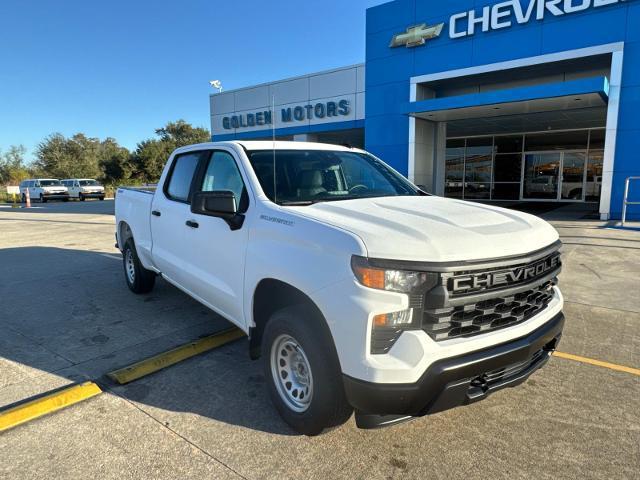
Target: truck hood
435,229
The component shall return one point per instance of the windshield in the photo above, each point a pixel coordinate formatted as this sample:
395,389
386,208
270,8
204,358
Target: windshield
88,183
304,177
50,183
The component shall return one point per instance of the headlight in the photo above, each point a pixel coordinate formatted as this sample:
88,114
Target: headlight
388,327
401,281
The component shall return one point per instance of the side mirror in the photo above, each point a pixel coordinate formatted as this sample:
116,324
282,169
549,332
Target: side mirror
221,204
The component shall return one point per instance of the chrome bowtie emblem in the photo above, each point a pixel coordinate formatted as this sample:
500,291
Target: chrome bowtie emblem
416,36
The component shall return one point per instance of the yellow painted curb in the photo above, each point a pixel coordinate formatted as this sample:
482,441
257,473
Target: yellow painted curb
597,363
53,402
146,367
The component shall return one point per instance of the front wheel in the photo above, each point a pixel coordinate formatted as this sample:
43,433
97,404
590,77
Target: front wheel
42,199
80,197
303,372
139,279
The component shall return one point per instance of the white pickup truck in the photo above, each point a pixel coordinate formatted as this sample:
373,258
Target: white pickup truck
359,291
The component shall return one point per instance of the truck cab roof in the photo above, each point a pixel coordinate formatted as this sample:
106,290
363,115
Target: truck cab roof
253,145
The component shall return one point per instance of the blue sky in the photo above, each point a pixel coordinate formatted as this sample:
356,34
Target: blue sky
123,68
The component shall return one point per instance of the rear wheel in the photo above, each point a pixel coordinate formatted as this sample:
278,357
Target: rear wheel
23,199
81,197
139,279
303,373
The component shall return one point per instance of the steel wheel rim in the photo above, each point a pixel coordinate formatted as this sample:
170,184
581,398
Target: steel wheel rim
130,267
292,373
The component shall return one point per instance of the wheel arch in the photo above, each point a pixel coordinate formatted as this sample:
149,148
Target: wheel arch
270,296
124,234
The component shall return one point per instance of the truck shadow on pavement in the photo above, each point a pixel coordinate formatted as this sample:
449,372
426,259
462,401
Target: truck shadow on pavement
67,316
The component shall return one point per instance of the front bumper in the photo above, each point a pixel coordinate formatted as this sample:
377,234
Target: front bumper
455,381
92,194
55,196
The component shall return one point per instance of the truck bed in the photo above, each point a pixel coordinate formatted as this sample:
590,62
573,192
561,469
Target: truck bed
133,207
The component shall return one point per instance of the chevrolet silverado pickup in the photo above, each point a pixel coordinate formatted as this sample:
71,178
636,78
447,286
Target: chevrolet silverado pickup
359,291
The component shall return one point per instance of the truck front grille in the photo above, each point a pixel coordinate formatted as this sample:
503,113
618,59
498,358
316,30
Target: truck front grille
483,316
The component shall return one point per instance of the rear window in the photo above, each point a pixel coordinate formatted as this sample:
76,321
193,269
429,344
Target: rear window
182,172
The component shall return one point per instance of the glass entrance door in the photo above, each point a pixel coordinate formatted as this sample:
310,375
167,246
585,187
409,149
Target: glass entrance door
572,181
541,176
554,176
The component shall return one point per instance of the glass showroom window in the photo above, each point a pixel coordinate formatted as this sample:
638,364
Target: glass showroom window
477,168
595,161
507,169
454,168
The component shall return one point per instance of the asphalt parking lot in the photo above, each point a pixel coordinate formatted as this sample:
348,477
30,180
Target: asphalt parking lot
66,315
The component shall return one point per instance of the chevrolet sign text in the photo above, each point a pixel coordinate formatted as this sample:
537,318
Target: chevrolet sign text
504,278
505,14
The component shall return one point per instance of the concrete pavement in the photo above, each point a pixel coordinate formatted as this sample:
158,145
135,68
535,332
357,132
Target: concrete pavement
66,315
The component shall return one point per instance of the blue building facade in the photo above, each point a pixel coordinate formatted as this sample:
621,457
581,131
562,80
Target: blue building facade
517,100
549,48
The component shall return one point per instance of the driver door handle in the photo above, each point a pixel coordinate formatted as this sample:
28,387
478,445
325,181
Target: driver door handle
192,224
156,213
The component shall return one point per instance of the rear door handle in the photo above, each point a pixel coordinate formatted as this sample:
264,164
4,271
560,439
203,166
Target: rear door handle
156,213
192,224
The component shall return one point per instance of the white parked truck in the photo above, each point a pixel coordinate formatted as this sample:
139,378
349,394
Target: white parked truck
358,290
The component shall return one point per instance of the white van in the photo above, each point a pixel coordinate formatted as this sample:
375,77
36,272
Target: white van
83,188
43,189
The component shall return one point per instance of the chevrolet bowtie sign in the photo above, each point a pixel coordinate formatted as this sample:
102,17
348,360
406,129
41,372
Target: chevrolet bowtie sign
416,36
495,17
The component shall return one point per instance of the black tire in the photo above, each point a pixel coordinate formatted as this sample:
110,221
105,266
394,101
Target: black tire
102,199
81,197
328,406
65,199
42,199
23,199
139,279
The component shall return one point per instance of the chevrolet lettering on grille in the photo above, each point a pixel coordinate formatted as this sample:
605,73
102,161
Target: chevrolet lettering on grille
473,282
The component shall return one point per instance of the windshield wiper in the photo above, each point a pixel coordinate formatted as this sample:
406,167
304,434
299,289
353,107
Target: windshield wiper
350,197
295,203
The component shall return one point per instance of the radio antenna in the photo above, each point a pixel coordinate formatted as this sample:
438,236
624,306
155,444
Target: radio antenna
273,137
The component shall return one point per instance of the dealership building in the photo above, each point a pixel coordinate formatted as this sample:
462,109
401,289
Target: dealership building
497,101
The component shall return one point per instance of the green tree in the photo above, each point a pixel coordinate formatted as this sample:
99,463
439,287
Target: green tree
149,159
62,157
181,133
83,157
151,155
115,162
13,168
